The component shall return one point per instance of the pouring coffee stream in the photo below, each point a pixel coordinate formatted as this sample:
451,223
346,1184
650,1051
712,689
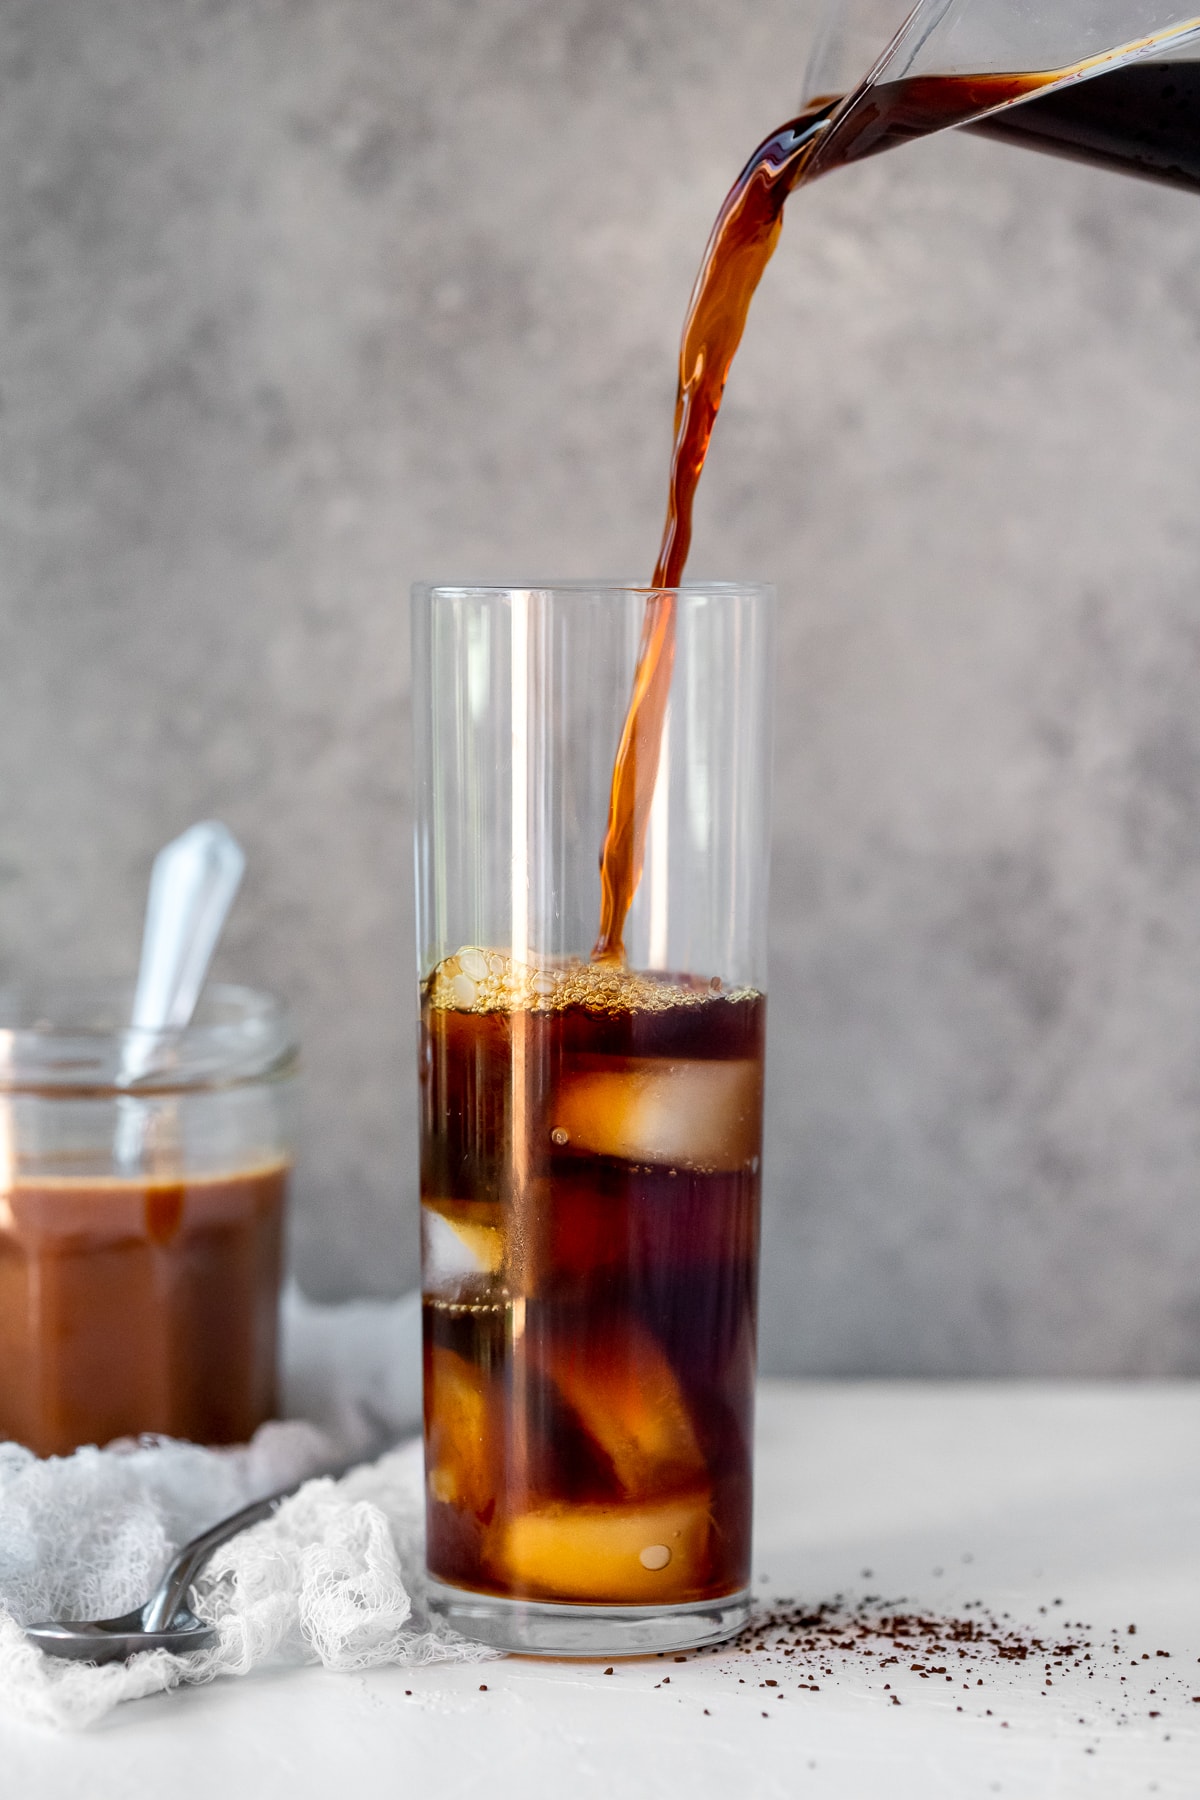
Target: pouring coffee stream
1130,107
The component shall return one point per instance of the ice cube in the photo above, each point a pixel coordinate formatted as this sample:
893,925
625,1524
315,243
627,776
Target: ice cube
688,1115
464,992
459,1242
611,1554
624,1393
458,1438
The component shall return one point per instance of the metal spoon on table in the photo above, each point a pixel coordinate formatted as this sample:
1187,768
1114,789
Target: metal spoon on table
166,1621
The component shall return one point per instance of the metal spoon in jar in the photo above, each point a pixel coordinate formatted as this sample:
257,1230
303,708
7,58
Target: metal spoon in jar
192,886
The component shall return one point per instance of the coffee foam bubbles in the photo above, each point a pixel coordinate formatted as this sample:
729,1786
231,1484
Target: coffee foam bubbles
478,980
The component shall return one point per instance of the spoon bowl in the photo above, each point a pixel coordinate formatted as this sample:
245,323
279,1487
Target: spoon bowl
114,1640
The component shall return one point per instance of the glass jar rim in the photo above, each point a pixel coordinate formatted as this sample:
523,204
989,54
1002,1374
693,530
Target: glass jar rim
761,591
74,1038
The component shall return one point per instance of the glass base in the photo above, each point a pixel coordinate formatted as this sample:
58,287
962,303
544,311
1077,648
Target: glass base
538,1628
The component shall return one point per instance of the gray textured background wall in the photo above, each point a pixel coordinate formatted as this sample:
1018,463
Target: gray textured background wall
303,299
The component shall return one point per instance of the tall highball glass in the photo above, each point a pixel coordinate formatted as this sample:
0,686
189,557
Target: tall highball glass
591,1130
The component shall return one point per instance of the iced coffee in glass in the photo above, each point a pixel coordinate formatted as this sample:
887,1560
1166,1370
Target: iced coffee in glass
591,1120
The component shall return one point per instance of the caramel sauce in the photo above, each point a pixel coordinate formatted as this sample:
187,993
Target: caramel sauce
139,1305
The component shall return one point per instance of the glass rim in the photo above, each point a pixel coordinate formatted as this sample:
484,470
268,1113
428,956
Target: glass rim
71,1038
482,590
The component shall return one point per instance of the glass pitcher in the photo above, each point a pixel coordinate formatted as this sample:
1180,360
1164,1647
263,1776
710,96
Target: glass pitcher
1115,82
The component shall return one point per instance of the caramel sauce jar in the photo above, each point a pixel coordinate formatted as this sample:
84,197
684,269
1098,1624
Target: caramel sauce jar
141,1226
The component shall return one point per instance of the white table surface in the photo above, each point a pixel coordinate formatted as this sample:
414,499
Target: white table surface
1015,1495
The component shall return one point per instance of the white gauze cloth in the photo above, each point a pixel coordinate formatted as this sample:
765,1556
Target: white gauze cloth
334,1577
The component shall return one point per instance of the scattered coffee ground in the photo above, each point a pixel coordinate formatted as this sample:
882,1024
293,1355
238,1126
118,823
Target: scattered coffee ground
981,1655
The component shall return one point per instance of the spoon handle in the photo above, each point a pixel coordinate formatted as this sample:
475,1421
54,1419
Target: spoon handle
171,1593
192,887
